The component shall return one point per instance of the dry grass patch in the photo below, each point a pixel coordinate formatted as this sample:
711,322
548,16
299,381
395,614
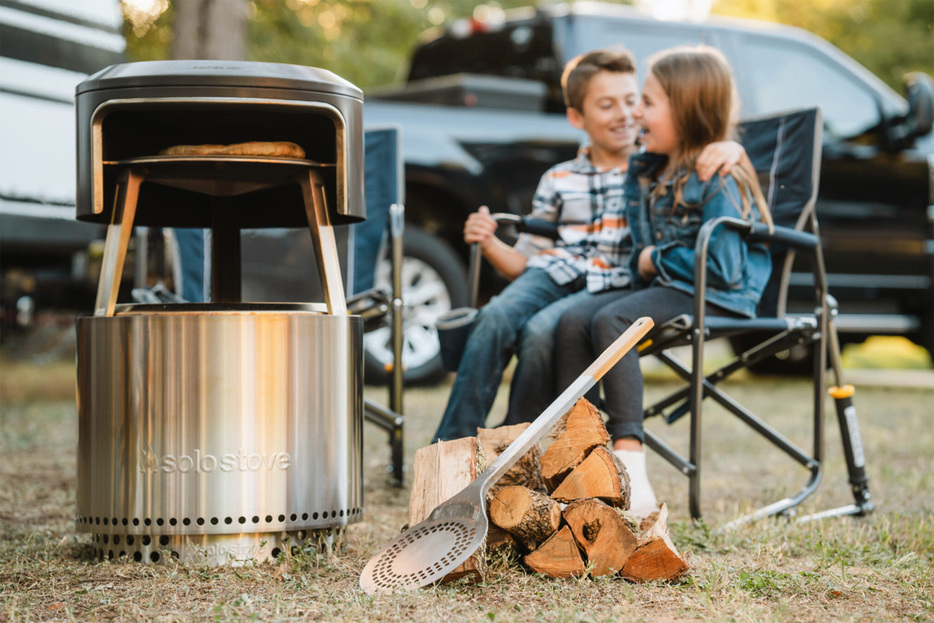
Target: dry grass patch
872,569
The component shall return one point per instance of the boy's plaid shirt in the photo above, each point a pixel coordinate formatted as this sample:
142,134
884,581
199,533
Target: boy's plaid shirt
594,234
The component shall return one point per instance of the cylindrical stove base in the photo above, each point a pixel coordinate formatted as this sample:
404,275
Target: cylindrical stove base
214,549
226,431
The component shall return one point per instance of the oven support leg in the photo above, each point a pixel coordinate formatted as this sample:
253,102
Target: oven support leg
119,232
322,238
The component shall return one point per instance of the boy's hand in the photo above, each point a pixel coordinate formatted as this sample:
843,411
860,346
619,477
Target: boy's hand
646,266
480,227
720,156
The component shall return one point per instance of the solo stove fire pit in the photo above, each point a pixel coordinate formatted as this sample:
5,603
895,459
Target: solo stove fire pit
225,431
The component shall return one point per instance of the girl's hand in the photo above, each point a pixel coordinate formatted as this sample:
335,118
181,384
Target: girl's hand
720,156
480,227
646,266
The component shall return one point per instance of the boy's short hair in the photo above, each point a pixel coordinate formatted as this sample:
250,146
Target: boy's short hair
577,73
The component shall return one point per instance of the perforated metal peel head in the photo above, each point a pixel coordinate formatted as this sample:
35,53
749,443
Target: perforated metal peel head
454,530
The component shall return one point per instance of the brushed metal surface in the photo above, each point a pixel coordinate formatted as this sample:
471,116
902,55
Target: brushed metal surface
219,422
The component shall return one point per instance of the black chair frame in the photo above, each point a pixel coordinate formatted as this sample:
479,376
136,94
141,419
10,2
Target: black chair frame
780,332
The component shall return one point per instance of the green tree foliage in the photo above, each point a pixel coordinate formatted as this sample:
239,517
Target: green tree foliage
888,37
365,42
369,42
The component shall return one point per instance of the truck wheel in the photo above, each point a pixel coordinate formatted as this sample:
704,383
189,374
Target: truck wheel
433,281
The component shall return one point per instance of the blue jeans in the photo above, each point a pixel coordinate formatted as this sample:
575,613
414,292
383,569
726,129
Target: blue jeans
193,264
493,339
534,381
587,329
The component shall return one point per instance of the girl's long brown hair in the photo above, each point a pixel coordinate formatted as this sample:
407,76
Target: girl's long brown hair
703,100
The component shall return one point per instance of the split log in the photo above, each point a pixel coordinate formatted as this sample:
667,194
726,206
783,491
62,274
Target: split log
558,557
528,515
656,557
603,533
601,475
583,430
440,471
527,472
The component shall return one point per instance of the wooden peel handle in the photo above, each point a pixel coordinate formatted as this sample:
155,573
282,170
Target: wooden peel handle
622,345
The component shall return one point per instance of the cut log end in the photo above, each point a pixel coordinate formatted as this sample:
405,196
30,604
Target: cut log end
655,559
603,533
530,516
600,475
558,557
583,431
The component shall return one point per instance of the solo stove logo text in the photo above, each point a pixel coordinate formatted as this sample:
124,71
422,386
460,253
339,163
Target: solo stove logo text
197,462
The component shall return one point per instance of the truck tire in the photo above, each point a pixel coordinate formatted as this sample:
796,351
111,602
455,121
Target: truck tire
434,281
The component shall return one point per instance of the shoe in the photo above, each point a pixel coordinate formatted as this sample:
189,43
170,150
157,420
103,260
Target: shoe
641,498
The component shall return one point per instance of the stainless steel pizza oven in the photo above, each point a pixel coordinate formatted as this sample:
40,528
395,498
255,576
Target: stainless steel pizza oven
222,431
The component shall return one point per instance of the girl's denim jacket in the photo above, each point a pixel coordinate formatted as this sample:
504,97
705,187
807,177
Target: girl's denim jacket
736,271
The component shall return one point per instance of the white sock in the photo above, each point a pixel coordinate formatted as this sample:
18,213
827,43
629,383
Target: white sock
642,497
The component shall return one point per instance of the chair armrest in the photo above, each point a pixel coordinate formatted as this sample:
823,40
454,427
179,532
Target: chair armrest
535,226
755,232
793,238
700,259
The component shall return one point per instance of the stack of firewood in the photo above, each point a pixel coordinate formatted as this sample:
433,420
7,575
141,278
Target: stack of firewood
564,510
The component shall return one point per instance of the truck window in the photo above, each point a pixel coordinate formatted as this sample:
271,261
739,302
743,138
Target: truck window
516,51
783,74
643,39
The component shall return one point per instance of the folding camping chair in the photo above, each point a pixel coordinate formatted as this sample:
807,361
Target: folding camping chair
785,151
381,307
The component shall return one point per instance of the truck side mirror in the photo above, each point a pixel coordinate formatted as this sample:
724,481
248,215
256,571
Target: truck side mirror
919,89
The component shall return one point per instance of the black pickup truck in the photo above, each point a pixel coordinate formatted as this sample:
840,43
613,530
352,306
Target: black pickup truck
482,118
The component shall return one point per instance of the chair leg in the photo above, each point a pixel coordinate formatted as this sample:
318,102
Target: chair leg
393,424
706,386
849,432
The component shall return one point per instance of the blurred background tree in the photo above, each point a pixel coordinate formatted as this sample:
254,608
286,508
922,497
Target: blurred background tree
888,37
369,41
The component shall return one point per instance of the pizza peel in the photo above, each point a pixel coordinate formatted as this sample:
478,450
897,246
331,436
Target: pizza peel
454,530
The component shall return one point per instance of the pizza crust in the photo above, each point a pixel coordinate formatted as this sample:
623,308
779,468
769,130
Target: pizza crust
279,149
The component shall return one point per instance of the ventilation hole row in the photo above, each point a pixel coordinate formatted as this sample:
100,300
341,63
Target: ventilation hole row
110,554
200,521
130,539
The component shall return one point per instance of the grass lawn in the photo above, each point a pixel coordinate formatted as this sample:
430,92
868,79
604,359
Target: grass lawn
877,568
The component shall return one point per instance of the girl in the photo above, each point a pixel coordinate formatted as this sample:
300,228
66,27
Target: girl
687,103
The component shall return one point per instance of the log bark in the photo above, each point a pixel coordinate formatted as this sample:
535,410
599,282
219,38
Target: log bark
527,472
531,517
438,472
603,533
656,557
498,539
600,475
583,430
558,557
